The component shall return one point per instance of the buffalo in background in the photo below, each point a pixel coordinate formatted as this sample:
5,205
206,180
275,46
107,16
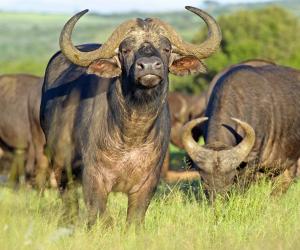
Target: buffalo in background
21,137
183,108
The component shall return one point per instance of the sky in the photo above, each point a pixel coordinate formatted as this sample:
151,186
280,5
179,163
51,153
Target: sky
103,6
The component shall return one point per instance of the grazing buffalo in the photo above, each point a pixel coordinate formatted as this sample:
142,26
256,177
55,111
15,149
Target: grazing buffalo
20,131
252,127
104,108
184,108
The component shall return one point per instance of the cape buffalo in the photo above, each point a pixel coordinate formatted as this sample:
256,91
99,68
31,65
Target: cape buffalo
20,131
184,108
104,108
253,126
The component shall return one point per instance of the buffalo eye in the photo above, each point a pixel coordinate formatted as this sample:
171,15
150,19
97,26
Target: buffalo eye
167,50
125,51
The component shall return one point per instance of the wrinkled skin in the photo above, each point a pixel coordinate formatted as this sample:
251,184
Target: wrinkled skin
20,131
266,98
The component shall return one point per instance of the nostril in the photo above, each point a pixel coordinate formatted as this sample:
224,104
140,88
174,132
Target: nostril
157,65
140,66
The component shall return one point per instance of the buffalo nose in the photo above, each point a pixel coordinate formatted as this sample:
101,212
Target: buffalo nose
151,63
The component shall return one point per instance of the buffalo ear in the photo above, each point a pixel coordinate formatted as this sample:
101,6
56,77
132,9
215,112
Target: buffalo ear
187,65
106,68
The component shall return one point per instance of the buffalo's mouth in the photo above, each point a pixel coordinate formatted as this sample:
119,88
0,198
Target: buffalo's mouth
149,80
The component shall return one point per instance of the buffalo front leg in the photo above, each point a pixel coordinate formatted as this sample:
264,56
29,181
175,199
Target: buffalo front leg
95,196
67,190
138,202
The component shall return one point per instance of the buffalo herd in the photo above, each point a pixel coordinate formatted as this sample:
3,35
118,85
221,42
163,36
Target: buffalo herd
102,115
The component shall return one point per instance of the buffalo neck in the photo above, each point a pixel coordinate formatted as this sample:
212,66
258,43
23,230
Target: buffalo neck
135,118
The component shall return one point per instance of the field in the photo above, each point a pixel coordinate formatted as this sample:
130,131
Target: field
175,220
179,217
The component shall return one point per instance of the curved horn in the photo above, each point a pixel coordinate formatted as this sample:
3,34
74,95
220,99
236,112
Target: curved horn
107,50
232,158
206,48
195,151
229,159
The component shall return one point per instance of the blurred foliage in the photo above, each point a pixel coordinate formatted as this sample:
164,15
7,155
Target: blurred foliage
271,33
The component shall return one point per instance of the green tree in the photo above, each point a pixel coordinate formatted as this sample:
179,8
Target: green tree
271,33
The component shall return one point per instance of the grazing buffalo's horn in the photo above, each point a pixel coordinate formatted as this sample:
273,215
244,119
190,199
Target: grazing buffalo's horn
198,153
107,50
206,48
228,159
232,158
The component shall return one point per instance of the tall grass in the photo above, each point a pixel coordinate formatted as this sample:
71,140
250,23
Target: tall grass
175,220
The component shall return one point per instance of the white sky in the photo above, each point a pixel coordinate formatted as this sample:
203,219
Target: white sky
104,6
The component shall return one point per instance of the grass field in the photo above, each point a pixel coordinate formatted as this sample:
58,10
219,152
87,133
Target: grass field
175,220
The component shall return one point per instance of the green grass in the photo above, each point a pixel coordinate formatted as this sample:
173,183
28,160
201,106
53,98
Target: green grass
175,220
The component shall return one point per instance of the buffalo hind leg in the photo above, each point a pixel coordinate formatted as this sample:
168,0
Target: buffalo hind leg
95,196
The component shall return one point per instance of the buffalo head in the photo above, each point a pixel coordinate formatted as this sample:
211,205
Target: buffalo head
218,163
142,52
